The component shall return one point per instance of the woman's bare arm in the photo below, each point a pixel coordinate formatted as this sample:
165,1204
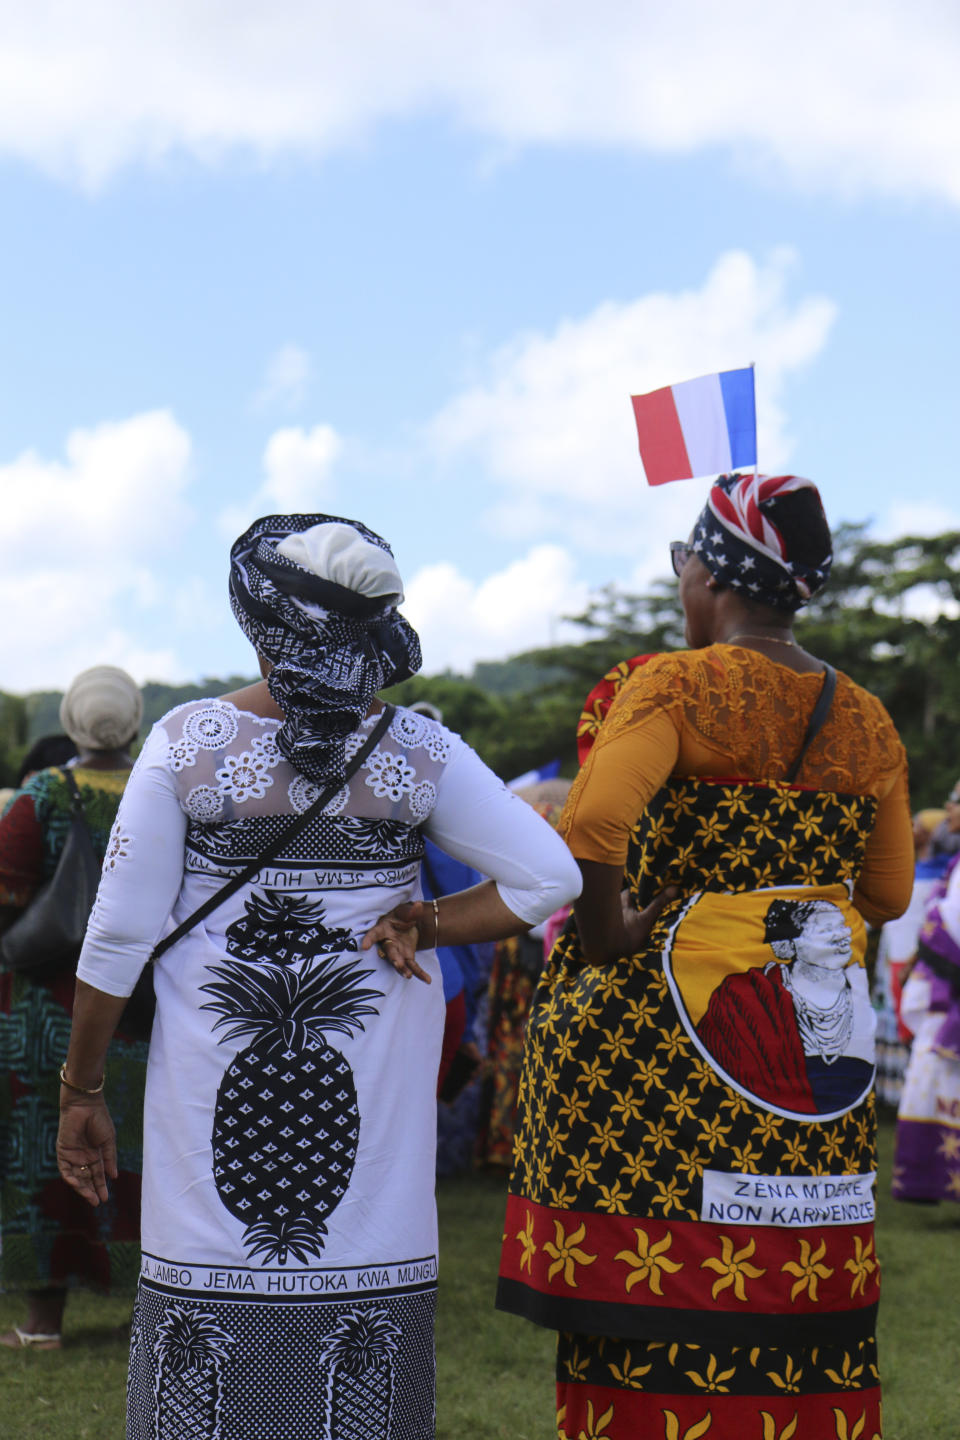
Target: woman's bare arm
86,1143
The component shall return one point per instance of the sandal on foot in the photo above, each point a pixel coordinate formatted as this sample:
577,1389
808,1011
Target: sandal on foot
17,1339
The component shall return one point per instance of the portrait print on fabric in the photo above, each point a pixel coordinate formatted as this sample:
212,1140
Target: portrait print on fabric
774,994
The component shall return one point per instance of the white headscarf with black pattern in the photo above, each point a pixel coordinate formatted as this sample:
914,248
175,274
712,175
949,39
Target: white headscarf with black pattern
316,595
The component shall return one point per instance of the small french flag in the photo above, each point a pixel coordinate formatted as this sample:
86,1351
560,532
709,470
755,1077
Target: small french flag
706,426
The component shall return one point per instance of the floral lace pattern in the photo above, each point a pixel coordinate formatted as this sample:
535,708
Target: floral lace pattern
119,847
337,803
211,728
229,759
266,748
204,803
245,777
302,793
390,775
353,743
408,728
437,745
181,753
423,799
752,714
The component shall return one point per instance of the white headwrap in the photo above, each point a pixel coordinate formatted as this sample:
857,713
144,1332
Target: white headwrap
102,709
338,552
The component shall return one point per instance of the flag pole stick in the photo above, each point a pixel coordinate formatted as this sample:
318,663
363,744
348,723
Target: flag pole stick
756,456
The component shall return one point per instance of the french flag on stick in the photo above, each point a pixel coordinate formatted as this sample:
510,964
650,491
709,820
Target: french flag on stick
700,427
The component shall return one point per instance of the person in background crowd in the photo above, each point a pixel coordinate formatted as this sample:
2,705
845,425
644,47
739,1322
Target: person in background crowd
463,968
895,953
44,754
946,835
517,966
926,1164
51,1241
48,750
756,804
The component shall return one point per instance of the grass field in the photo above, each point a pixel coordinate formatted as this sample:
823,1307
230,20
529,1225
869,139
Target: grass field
495,1373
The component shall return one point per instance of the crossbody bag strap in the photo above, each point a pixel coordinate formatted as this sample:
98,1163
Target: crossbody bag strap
76,800
276,846
817,720
78,813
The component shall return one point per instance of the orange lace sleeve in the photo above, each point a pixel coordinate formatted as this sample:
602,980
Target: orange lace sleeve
635,751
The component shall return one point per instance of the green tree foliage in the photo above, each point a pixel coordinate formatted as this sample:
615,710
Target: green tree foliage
890,619
13,736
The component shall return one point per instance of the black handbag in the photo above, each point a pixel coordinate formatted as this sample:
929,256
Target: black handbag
48,936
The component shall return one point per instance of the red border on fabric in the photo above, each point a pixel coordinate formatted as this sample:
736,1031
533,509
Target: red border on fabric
690,1264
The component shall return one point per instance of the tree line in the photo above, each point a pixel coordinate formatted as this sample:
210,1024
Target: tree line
890,619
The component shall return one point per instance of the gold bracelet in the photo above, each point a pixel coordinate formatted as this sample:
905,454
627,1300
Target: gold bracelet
80,1089
436,924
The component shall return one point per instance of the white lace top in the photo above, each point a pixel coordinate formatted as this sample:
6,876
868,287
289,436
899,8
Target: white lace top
210,789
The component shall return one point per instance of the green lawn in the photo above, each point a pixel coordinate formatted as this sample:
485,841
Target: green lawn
496,1373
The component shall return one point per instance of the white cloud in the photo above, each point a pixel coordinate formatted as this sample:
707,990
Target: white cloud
298,465
285,380
855,97
298,476
916,517
518,608
552,424
87,544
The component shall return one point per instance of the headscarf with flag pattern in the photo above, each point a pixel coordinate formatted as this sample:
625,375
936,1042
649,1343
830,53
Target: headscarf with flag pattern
745,544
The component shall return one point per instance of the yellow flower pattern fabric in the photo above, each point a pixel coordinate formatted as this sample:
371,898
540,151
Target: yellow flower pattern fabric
694,1159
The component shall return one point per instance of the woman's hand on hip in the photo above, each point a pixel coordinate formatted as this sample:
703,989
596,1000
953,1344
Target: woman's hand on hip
87,1147
637,924
395,936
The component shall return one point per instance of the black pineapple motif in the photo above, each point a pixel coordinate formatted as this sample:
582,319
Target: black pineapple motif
284,929
191,1349
286,1124
361,1354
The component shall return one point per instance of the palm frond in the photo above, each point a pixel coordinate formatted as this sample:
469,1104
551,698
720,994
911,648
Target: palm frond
272,998
361,1339
274,1239
249,1001
188,1340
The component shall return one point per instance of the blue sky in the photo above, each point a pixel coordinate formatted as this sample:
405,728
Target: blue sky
271,265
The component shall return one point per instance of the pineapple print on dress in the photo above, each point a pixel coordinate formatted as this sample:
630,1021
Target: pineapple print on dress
360,1355
284,929
191,1348
286,1125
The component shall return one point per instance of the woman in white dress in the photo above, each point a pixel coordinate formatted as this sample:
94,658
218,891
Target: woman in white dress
289,1226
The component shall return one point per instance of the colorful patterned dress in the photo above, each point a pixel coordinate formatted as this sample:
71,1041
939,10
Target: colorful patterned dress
692,1199
50,1237
927,1159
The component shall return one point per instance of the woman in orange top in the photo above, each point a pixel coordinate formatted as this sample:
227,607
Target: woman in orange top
693,1192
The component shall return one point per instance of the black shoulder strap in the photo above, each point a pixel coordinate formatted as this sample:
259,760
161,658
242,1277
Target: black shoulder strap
817,720
276,846
76,800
